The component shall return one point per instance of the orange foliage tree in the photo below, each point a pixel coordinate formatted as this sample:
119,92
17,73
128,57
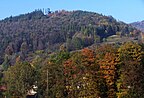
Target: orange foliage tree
106,56
80,71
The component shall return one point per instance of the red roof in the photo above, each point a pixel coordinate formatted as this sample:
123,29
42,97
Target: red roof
2,88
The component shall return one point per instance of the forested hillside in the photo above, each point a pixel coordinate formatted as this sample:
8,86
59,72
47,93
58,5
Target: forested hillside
28,33
70,54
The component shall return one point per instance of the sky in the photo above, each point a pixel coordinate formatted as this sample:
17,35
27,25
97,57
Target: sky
123,10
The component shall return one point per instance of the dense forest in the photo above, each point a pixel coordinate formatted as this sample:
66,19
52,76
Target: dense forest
109,71
70,54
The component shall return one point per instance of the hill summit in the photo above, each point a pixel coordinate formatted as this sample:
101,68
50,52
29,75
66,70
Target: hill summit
36,31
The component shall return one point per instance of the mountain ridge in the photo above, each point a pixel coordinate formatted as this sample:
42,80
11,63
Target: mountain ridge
139,25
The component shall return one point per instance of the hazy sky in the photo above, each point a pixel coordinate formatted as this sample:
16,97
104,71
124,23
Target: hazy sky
123,10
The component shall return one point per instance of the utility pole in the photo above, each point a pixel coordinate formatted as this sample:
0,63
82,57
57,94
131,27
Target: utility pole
48,78
47,83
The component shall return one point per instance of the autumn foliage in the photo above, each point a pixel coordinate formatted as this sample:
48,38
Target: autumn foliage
109,71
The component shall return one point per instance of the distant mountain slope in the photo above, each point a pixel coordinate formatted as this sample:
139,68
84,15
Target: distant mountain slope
138,25
35,31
